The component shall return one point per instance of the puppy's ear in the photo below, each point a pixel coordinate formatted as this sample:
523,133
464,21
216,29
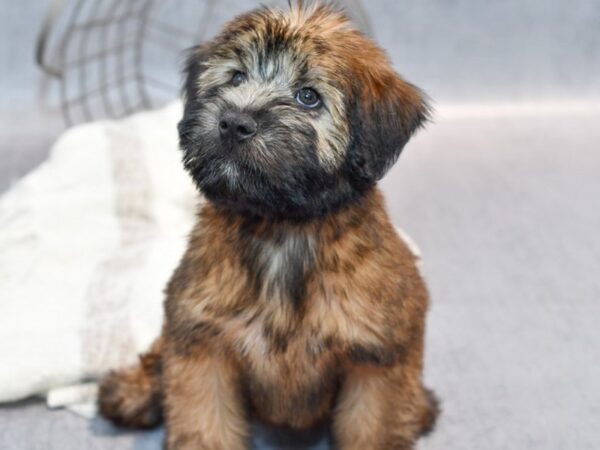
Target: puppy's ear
194,66
386,112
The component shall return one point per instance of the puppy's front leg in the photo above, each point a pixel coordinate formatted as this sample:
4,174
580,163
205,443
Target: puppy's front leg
203,403
382,408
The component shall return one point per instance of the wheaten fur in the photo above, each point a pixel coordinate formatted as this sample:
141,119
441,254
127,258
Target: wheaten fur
296,301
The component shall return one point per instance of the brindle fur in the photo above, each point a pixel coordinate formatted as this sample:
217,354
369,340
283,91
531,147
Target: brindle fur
298,317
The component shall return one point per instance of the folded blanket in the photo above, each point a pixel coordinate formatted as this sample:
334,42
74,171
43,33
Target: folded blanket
87,244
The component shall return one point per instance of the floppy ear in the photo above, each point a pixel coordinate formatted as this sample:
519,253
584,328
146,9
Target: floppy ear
383,118
194,66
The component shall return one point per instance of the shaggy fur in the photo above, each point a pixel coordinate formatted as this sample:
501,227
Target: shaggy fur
295,301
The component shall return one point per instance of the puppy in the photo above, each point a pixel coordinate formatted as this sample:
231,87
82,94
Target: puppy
295,301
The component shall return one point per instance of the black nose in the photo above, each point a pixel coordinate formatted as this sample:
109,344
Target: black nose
237,125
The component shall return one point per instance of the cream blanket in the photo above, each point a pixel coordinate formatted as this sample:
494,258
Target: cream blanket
87,243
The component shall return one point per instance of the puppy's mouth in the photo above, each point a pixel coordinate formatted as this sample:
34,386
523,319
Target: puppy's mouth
233,156
238,143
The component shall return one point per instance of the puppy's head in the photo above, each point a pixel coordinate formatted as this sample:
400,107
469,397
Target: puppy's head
292,115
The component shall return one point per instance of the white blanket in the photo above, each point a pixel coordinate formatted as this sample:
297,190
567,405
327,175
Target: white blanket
87,244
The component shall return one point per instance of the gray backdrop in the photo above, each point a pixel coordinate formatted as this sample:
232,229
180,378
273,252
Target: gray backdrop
504,204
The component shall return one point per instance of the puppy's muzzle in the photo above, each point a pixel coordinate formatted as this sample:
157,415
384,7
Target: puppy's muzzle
237,126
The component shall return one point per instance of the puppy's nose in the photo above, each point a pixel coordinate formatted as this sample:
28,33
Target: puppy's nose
237,125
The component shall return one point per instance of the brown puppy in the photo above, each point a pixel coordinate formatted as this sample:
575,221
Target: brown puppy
295,300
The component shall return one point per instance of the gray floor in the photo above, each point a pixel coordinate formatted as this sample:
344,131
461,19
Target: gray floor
505,208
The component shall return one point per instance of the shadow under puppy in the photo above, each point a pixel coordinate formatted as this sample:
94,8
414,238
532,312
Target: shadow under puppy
295,301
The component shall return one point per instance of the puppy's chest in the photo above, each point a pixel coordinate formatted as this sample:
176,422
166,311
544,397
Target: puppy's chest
261,344
288,381
280,267
293,308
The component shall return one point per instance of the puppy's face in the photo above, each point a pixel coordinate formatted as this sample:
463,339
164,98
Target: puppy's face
293,115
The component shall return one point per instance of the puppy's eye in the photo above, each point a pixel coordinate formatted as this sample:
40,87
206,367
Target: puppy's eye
238,78
308,98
